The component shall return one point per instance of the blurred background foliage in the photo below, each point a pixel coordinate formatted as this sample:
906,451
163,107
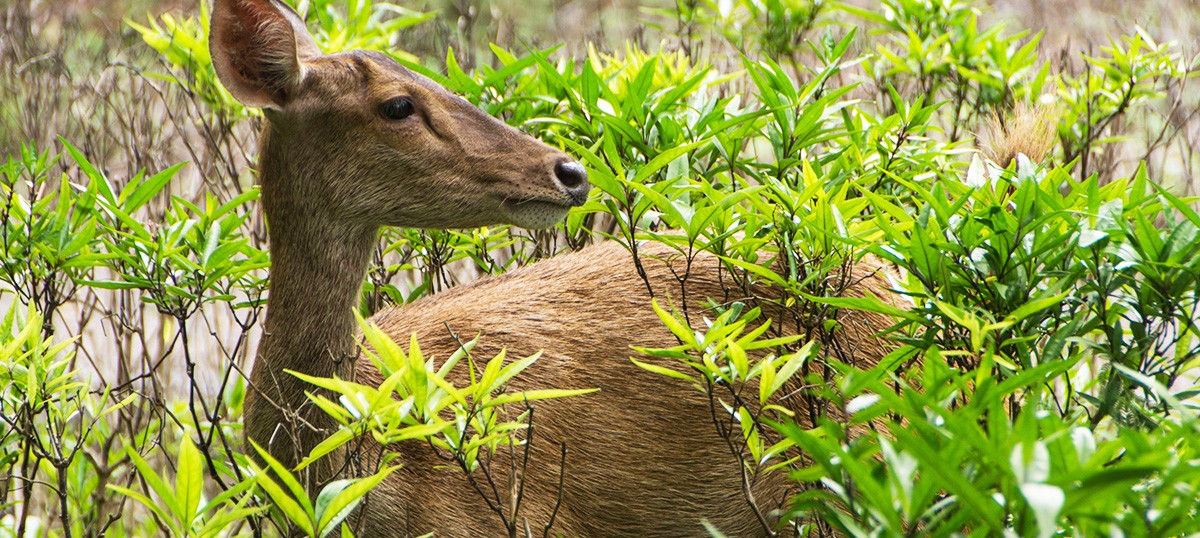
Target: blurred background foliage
1027,167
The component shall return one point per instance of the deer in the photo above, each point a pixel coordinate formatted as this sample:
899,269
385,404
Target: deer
353,142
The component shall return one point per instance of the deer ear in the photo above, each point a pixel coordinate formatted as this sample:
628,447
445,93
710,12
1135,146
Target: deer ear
258,48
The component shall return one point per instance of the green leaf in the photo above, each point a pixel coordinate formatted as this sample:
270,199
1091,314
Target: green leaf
538,394
339,499
1036,305
293,502
662,370
682,332
156,483
94,176
144,500
189,482
663,159
326,446
148,188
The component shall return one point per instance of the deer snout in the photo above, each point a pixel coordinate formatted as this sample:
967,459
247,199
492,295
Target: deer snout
572,177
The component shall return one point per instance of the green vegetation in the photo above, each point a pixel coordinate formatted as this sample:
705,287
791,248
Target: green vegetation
1035,206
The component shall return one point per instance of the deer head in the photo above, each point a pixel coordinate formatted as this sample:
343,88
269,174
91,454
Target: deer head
357,138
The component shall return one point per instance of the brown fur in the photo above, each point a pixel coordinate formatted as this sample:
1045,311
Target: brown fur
644,459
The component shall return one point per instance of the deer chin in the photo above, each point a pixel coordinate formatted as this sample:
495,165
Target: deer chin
535,214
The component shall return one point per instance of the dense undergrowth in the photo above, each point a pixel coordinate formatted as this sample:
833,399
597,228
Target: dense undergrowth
1035,209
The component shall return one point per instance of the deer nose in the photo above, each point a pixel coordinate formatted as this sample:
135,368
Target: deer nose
573,176
570,173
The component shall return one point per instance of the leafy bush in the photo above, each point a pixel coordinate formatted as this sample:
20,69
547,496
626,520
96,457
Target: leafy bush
1048,347
1041,378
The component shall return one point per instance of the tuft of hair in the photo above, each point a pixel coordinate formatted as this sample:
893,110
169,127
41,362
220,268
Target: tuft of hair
1026,129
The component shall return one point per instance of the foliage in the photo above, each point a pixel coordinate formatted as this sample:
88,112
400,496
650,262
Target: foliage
180,506
40,399
1128,72
1048,350
936,48
959,458
1039,383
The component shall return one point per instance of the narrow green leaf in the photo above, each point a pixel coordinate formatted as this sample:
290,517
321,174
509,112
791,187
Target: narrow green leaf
662,370
189,482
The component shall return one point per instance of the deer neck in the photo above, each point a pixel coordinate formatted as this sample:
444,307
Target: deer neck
318,263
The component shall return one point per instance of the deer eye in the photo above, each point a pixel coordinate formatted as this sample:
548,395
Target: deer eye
396,108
